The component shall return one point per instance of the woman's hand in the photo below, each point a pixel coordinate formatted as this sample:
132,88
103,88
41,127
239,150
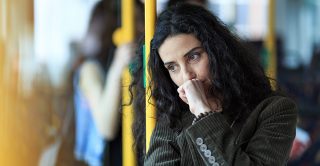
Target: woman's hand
123,55
193,93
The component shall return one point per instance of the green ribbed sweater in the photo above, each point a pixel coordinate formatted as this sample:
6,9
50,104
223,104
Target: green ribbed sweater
265,138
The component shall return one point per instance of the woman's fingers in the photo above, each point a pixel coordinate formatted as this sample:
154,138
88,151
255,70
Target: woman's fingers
182,95
184,98
124,53
181,90
200,87
193,93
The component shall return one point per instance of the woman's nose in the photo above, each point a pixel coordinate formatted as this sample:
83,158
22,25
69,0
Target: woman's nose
188,75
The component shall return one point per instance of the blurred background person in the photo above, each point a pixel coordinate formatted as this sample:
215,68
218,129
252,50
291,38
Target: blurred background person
97,83
97,89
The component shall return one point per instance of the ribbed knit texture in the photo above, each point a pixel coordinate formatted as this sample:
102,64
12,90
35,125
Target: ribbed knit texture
265,138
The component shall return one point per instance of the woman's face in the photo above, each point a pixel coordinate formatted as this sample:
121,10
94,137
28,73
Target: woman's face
185,59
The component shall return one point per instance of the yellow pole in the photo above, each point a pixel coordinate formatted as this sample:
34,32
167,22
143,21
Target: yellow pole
2,32
270,43
123,35
150,17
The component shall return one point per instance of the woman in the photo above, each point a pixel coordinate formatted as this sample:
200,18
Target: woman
97,89
215,105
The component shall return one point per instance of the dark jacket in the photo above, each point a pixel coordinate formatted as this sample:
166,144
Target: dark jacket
264,138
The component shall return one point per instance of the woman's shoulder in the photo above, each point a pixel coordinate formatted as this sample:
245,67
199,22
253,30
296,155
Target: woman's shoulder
91,69
90,74
276,101
276,105
90,66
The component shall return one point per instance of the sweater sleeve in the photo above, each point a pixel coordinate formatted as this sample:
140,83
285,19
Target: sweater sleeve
163,150
271,132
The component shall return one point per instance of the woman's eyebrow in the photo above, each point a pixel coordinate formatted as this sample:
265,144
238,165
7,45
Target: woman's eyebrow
188,53
193,49
168,63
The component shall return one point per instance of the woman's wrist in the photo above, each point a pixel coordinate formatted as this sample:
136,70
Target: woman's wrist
203,109
205,112
201,116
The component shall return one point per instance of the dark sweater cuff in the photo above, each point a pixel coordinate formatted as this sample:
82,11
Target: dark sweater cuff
208,134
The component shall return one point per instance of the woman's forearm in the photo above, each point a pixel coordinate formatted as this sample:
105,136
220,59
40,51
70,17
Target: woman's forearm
107,113
104,99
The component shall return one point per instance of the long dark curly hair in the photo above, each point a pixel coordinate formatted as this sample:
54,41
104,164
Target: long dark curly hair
237,78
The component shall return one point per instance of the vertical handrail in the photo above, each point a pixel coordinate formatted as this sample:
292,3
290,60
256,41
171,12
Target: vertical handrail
270,43
150,17
125,34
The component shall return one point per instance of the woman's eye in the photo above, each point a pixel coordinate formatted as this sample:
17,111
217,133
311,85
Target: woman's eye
171,68
194,57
